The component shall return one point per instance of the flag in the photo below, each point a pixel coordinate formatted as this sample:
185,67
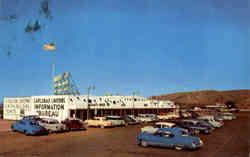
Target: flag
49,47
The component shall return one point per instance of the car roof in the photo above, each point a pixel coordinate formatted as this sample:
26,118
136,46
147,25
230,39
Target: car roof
114,116
172,130
28,120
166,123
49,119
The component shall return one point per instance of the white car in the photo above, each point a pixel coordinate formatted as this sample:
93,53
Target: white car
52,125
99,122
116,120
151,129
211,120
147,118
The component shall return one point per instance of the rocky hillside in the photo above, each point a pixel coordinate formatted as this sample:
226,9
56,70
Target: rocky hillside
240,97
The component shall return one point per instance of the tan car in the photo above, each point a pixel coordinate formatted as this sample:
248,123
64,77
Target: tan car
98,122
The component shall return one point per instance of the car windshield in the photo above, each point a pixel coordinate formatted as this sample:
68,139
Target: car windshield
53,122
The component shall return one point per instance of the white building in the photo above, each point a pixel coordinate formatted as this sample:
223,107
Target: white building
61,107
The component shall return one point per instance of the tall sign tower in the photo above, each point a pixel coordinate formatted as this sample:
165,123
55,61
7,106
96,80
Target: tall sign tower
65,85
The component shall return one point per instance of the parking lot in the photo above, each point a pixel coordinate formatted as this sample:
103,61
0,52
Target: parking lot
232,140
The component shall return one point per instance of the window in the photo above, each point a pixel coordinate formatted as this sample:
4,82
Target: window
22,122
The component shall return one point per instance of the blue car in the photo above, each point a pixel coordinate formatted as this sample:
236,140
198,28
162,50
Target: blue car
29,127
176,138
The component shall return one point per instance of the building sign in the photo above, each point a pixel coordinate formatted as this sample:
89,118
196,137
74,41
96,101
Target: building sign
49,107
64,85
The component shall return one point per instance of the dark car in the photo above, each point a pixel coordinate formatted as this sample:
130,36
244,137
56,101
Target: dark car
194,126
29,127
128,120
73,124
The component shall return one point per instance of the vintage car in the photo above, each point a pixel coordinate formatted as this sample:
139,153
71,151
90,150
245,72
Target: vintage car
52,125
29,127
32,117
73,124
129,120
227,116
98,122
169,115
170,138
194,126
116,120
151,129
210,119
147,118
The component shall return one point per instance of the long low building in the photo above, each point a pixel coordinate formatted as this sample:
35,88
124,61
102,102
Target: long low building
61,107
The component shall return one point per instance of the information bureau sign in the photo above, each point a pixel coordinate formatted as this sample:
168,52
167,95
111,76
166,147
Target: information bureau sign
49,107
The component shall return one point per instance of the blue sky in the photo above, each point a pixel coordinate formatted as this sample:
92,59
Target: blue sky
121,46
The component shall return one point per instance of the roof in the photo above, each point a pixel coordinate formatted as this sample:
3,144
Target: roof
166,123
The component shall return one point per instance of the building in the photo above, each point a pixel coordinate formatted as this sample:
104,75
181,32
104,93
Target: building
61,107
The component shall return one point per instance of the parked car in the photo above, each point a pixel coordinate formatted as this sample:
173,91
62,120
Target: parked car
52,125
116,120
228,116
166,116
129,120
29,127
194,127
73,124
99,122
147,118
31,117
158,125
170,138
210,119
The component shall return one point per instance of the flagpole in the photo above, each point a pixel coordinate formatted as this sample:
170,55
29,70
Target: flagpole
53,72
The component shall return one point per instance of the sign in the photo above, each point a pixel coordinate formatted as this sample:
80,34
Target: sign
49,107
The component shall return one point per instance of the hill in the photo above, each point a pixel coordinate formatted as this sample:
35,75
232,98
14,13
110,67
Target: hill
210,97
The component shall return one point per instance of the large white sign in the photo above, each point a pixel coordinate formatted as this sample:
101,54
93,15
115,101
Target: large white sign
49,107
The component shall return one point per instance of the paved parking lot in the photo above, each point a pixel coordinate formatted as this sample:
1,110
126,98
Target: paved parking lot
232,140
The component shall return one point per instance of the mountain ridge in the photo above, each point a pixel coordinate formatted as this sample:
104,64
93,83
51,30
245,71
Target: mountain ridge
239,97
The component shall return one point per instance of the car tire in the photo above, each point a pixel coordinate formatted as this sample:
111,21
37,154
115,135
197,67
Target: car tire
178,147
144,143
26,133
138,142
12,128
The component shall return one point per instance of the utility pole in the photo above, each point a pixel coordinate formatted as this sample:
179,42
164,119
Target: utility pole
88,107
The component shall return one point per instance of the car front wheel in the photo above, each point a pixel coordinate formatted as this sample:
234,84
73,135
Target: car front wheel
144,143
12,128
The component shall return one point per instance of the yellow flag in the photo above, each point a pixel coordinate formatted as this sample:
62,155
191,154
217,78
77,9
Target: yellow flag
49,47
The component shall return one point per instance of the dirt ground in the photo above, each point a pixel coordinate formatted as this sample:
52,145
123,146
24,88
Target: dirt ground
232,140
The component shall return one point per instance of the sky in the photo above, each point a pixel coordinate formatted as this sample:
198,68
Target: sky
150,47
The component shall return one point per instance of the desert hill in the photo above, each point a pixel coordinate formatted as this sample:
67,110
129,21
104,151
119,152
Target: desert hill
209,97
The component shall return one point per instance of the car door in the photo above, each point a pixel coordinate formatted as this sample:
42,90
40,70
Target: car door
162,139
21,126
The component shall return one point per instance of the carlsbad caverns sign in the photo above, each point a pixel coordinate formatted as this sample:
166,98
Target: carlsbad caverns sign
49,107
